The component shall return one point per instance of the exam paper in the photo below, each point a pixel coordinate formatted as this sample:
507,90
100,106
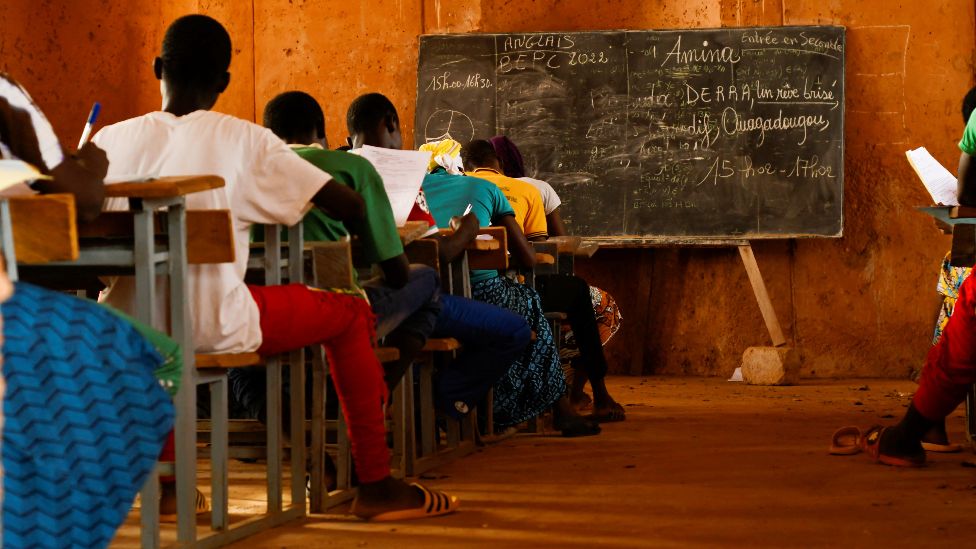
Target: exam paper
402,173
938,181
14,172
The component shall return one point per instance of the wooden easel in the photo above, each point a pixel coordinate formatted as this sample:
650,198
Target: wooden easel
645,274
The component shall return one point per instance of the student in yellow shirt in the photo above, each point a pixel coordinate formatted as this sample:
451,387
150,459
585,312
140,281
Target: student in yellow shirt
562,293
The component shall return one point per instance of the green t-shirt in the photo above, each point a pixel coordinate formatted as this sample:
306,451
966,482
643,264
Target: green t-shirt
378,231
448,195
968,142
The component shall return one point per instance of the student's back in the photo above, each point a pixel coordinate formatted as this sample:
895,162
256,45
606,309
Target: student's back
253,163
448,195
377,231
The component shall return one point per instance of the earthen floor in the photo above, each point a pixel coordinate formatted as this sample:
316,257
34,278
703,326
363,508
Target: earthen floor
699,462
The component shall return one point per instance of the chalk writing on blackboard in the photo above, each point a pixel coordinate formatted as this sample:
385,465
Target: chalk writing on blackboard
645,134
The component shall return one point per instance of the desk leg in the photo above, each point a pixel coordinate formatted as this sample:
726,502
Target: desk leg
145,274
186,399
296,275
7,240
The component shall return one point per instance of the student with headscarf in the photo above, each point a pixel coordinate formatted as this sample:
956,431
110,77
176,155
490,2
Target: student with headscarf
536,381
593,315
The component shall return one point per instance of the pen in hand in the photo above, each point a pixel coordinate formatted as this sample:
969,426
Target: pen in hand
92,117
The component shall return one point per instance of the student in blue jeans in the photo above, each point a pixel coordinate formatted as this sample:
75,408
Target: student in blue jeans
373,120
490,336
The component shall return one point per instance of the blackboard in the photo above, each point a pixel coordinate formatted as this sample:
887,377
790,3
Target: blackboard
651,135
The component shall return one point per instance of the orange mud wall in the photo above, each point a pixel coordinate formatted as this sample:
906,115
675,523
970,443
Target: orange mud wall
862,305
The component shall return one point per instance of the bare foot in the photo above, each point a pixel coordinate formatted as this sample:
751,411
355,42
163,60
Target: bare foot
565,419
936,435
605,408
581,402
385,495
608,411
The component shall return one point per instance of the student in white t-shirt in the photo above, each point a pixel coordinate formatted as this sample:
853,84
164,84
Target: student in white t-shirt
25,134
186,138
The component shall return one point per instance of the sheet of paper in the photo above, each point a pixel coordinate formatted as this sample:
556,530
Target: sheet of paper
14,172
402,173
938,181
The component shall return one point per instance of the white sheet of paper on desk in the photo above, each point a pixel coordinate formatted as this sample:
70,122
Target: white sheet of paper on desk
938,181
402,173
15,172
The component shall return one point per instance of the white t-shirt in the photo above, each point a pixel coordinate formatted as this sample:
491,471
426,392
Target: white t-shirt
265,182
36,142
550,200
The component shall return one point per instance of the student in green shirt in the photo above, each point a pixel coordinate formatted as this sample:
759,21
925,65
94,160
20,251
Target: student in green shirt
406,297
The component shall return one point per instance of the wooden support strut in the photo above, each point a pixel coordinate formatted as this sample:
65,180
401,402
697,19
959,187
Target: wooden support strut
762,296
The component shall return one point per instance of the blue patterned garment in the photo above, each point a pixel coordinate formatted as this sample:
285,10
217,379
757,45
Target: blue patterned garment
536,381
85,420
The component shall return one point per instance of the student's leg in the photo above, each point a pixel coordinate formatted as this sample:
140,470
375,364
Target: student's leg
295,316
492,338
393,307
405,316
535,381
571,295
949,371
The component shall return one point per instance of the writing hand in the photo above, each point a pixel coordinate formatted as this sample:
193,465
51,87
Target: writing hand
93,159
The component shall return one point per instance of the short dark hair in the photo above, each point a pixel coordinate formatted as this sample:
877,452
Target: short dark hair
478,154
196,51
294,114
968,105
368,110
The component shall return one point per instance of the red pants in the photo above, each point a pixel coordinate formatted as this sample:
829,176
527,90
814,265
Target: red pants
950,368
295,316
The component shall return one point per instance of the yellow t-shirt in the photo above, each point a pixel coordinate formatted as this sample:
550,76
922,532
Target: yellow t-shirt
524,198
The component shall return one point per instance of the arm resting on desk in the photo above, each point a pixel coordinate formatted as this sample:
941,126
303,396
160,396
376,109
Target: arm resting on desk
452,245
522,251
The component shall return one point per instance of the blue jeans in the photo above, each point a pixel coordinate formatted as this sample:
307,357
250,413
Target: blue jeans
413,308
492,339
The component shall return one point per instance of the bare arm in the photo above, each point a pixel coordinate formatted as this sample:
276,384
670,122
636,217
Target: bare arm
967,181
81,175
555,224
522,251
396,270
451,246
340,202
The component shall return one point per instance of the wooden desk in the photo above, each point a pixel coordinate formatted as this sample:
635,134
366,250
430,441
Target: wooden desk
144,261
411,230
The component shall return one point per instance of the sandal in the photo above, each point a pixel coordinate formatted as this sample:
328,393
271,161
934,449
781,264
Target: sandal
845,442
436,503
949,448
576,426
201,507
615,413
871,445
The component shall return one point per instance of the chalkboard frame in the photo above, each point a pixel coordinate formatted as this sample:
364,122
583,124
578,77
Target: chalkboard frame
660,240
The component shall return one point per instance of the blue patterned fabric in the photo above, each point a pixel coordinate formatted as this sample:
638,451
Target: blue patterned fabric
85,420
536,380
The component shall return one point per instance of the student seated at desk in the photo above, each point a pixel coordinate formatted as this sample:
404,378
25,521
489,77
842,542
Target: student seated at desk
604,306
560,293
950,367
491,337
86,418
406,299
186,137
25,134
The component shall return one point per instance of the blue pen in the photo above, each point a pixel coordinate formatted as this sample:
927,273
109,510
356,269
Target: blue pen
92,117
